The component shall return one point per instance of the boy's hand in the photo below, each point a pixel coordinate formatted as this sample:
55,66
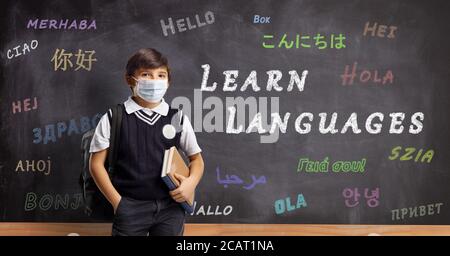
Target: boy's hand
185,190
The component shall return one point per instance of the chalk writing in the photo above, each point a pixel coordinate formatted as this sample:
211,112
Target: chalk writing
25,105
285,205
208,210
364,76
54,131
409,153
62,60
352,196
34,166
310,166
45,202
22,49
379,30
417,211
181,24
61,24
234,179
317,41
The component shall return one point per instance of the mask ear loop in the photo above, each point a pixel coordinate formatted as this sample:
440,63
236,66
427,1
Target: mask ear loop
133,89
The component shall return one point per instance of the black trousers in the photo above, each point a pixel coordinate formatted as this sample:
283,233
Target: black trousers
153,218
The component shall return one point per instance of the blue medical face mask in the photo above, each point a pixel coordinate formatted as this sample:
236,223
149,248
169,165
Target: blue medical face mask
151,90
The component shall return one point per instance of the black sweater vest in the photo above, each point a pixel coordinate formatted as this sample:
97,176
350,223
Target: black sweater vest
140,154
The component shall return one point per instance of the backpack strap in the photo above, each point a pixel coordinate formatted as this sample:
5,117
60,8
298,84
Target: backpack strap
115,121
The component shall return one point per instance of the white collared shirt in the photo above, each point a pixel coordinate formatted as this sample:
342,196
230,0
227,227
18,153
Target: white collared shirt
188,141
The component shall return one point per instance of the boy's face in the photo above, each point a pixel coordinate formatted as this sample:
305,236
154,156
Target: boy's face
147,73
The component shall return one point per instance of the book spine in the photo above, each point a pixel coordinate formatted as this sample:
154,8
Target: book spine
189,209
169,183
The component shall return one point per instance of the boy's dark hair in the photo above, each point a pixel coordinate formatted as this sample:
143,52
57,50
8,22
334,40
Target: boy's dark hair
147,58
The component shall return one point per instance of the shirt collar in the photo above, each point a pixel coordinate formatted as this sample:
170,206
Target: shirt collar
131,106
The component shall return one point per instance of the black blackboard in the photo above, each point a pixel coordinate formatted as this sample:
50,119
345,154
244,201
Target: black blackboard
399,50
